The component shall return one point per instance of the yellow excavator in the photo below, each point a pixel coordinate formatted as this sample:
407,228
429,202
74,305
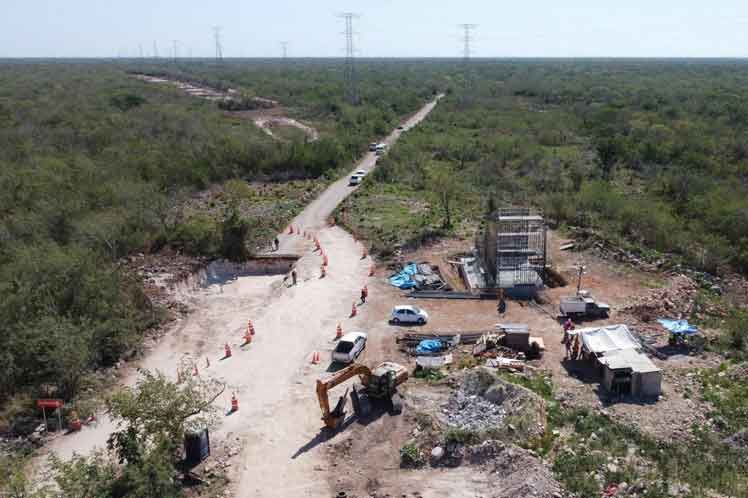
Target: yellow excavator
379,384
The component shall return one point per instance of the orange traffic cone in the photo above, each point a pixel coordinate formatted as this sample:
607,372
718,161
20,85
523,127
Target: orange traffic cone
353,310
227,350
371,271
250,328
234,403
247,338
338,332
315,358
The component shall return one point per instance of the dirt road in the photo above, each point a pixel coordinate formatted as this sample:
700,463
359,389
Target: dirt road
278,421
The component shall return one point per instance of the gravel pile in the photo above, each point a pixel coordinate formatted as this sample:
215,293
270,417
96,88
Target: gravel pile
484,401
472,412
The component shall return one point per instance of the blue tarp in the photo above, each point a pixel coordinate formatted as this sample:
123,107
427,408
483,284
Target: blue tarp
679,326
403,279
429,346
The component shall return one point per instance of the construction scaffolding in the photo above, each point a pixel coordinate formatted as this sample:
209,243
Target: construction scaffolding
513,250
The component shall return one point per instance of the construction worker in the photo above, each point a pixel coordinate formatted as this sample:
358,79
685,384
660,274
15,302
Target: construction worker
567,345
575,352
568,325
276,243
293,276
501,307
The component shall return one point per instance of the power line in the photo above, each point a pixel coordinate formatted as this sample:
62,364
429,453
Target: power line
219,47
351,87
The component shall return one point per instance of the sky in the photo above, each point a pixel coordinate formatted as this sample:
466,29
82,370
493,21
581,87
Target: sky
384,28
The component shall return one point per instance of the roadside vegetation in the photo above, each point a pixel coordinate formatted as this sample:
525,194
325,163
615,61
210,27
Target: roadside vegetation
649,154
96,165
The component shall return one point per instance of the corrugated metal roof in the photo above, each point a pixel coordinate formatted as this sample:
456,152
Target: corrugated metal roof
629,359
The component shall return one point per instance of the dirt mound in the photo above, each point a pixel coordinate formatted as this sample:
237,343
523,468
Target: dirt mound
520,473
485,402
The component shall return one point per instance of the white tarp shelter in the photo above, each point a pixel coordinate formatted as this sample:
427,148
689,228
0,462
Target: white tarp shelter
603,340
625,368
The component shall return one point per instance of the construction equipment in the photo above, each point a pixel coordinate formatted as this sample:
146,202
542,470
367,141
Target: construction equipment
379,384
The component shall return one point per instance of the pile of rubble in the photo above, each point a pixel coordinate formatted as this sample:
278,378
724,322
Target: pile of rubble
522,473
483,401
674,301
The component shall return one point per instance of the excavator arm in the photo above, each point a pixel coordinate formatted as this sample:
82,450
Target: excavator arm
323,386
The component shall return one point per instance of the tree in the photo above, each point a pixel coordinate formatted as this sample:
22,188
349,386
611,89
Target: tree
156,412
445,187
235,231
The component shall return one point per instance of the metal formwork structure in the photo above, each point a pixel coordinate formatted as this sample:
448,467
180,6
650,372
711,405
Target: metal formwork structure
513,249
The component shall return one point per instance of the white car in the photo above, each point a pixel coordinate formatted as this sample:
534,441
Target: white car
408,314
372,146
360,172
355,180
349,347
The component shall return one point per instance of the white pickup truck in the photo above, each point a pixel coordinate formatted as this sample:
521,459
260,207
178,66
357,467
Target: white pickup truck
583,306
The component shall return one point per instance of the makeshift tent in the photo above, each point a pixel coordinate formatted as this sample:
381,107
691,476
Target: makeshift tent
679,326
626,370
602,340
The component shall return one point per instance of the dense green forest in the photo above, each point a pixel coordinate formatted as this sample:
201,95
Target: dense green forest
93,166
652,154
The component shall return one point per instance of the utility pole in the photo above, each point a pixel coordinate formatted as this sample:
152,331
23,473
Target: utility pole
351,87
580,268
175,50
155,50
219,47
467,39
284,49
140,47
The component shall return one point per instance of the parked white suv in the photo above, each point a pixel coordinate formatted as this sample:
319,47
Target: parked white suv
408,314
349,347
355,180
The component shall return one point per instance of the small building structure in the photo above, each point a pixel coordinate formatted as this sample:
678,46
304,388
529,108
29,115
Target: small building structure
626,370
512,249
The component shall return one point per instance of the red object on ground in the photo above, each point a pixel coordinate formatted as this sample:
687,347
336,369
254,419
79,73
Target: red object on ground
227,349
75,425
353,310
234,403
315,358
339,332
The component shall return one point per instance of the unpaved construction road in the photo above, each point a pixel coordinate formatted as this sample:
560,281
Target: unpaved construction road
278,422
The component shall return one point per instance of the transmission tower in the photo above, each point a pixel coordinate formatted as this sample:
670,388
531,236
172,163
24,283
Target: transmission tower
284,49
467,39
219,47
351,87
